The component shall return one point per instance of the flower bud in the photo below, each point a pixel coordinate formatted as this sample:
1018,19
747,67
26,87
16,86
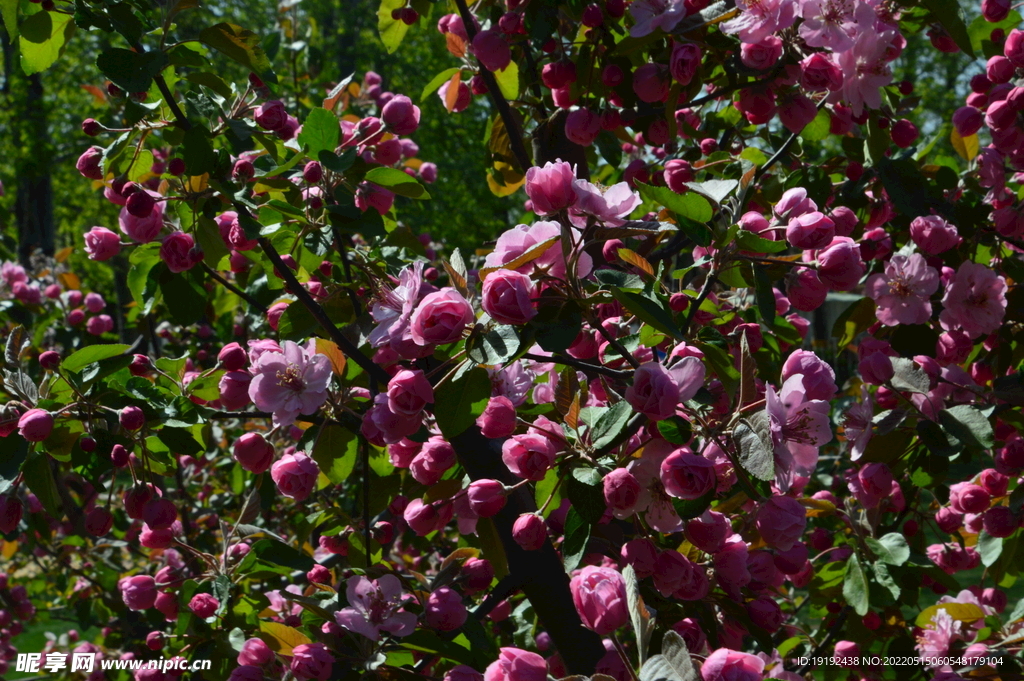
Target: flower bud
35,425
131,418
253,453
486,497
444,610
529,531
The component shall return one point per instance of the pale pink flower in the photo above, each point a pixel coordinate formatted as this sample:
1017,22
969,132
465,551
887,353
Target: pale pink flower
901,294
758,19
857,424
291,382
798,427
522,238
936,638
609,205
395,307
375,606
865,68
650,15
975,301
828,23
653,499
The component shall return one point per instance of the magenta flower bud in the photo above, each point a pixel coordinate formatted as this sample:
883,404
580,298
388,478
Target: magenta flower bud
621,490
1001,116
551,188
933,235
948,520
319,575
311,661
687,476
599,595
765,613
507,297
677,173
651,83
558,74
234,390
806,291
840,265
138,592
757,104
642,554
498,418
685,61
486,497
761,55
131,418
994,482
477,574
441,317
176,167
610,250
35,425
119,457
794,203
444,610
999,521
271,115
529,456
904,133
966,497
781,521
295,475
810,231
253,453
612,75
876,478
582,126
709,531
491,48
203,605
845,220
462,98
994,598
159,513
155,640
243,170
510,23
101,244
140,204
999,69
11,510
177,251
91,127
409,392
428,172
876,368
233,357
422,518
729,665
313,172
255,652
88,163
529,531
75,317
49,360
98,521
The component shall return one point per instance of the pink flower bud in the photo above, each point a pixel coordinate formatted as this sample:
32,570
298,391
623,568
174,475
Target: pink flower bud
559,74
295,475
876,477
243,170
582,127
313,172
491,48
98,521
806,291
11,511
131,418
138,592
677,173
177,251
904,133
88,163
651,83
550,188
762,55
621,490
444,610
514,664
599,594
422,518
819,72
685,61
486,497
687,476
101,244
35,425
709,531
933,235
810,231
498,418
642,554
253,453
968,120
966,497
477,574
781,521
319,575
203,605
507,297
529,531
140,204
529,456
255,652
1000,521
271,115
409,392
840,265
159,513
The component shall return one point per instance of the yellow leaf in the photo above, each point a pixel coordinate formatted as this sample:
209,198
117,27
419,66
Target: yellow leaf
818,507
10,548
451,96
63,254
197,184
282,639
636,260
330,350
529,256
961,612
69,280
967,147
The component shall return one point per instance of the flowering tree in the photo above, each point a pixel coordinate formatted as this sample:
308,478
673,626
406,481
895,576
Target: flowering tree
599,447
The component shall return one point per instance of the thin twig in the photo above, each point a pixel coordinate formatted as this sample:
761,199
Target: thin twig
709,282
234,289
578,364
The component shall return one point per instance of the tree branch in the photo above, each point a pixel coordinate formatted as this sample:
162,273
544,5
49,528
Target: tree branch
578,364
234,289
515,135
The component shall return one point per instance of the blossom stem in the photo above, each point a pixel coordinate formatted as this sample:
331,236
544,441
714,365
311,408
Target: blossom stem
624,657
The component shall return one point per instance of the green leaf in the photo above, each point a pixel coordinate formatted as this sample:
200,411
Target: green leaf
989,548
508,80
184,297
80,359
691,508
180,441
586,492
748,241
648,310
458,403
756,455
891,549
494,347
398,182
885,579
610,424
764,294
676,430
273,553
980,30
39,477
950,15
44,37
855,587
335,452
908,376
968,425
716,190
320,132
141,283
131,71
198,152
239,44
13,451
690,205
438,80
577,534
9,9
817,129
391,31
125,22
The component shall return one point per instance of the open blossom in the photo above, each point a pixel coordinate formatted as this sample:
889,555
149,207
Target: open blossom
609,205
394,309
798,427
291,382
865,66
650,15
828,23
541,237
375,606
857,424
936,638
975,300
901,294
653,499
758,19
600,598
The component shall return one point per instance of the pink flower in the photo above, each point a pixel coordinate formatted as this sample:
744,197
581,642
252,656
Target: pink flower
760,18
654,501
311,661
539,239
514,664
253,453
203,605
901,294
609,205
529,531
857,424
255,652
600,598
819,73
393,312
401,115
686,475
234,390
295,475
936,637
810,231
621,492
529,456
375,606
507,297
781,521
685,61
142,230
730,665
440,318
840,265
178,252
865,65
657,391
444,610
798,427
650,15
101,244
291,382
498,418
975,300
551,188
828,23
409,392
138,592
761,55
819,378
933,235
35,425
